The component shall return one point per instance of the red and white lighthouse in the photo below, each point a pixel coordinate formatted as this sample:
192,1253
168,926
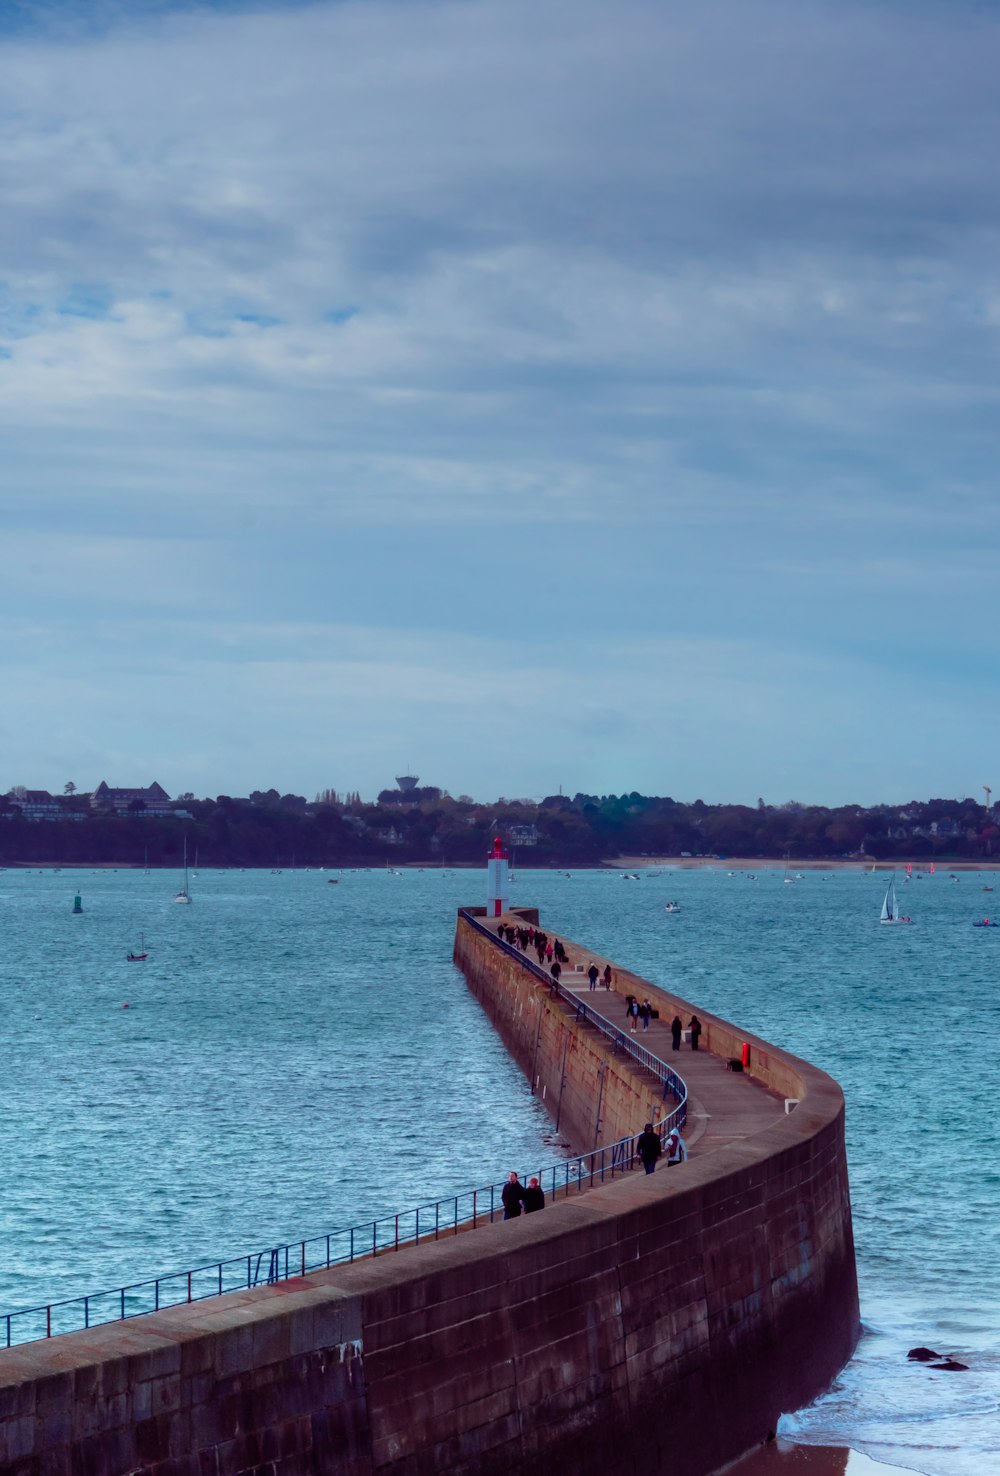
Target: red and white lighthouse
496,880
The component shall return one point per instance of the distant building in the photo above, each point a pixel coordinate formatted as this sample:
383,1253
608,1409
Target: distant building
521,835
154,801
38,804
407,782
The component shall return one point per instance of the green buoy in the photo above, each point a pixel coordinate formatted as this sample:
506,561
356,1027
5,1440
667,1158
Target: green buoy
77,904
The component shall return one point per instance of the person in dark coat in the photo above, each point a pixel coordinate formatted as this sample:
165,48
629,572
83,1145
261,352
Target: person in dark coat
647,1147
607,976
555,971
512,1195
676,1031
593,973
534,1197
694,1025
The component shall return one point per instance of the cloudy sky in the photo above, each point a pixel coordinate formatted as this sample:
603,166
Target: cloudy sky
514,392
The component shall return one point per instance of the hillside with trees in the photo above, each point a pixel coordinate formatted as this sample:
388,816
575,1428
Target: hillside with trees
427,826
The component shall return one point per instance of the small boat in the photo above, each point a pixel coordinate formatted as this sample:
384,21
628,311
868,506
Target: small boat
986,922
184,895
142,955
332,881
671,907
890,908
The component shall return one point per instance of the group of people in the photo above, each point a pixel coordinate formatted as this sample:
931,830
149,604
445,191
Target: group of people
518,1198
524,938
521,1198
636,1010
648,1147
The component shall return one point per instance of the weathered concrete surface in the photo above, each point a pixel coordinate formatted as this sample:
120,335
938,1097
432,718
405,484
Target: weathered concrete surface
655,1324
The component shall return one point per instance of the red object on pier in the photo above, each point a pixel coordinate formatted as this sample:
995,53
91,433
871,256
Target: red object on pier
746,1056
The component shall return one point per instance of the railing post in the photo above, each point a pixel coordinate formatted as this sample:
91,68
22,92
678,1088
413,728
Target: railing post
48,1322
189,1286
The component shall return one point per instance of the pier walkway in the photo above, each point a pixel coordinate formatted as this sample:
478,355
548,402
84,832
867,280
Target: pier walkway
723,1106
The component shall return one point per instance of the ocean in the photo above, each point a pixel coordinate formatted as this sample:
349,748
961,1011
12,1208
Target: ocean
298,1056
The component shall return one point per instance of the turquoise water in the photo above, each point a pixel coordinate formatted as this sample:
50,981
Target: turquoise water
298,1056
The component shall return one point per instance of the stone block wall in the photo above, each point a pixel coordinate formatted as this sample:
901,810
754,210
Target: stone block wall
658,1323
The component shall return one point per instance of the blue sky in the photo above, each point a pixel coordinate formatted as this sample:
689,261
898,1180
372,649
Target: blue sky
524,394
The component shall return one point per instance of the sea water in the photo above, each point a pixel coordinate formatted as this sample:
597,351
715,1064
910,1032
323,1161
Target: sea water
298,1056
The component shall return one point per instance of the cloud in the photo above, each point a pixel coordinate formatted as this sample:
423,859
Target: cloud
545,322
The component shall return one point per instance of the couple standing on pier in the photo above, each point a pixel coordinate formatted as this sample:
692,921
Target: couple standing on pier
517,1196
648,1147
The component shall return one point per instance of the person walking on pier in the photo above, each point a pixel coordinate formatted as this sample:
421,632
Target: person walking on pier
555,971
645,1013
676,1031
676,1148
593,973
694,1025
534,1197
512,1195
633,1014
608,976
647,1147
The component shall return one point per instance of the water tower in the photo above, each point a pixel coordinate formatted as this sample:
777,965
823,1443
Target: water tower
407,782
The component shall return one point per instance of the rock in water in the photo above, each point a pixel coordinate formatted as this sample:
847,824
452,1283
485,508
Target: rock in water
922,1355
950,1364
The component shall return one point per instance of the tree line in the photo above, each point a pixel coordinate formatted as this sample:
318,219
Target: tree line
428,826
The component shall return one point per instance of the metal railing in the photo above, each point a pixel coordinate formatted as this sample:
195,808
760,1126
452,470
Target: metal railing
623,1041
456,1212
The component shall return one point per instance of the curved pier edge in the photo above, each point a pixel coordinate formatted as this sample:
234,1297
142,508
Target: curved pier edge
655,1324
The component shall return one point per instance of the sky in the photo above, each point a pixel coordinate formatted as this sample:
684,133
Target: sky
516,393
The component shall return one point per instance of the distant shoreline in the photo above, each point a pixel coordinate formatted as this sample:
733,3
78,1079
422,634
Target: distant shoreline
614,863
772,863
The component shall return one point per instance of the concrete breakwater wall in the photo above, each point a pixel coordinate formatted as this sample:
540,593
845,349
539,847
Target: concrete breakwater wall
653,1324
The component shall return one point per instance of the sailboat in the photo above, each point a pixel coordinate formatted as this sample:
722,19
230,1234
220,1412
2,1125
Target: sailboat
142,955
184,894
890,908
